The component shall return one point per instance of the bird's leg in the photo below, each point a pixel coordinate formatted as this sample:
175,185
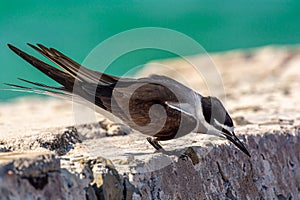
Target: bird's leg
155,143
157,146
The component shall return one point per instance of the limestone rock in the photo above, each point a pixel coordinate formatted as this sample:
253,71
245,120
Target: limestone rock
35,176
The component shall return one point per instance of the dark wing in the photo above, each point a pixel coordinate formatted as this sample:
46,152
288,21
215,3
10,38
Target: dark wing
148,110
73,67
140,103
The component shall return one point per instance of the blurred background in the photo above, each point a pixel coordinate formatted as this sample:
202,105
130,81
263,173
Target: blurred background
76,27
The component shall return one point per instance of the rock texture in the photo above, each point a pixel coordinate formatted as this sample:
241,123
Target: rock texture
36,176
47,154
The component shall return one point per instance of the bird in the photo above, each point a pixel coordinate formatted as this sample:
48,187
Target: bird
157,106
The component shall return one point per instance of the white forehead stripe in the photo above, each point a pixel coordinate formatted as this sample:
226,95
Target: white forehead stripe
230,129
181,107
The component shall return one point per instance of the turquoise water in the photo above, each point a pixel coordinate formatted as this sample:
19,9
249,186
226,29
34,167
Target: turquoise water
76,28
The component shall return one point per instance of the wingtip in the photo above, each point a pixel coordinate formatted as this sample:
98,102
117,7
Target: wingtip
29,44
11,46
41,46
36,46
14,49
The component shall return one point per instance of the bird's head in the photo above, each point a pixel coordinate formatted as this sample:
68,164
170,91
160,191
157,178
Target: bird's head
220,123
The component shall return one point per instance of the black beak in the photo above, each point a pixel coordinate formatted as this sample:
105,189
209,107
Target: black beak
232,138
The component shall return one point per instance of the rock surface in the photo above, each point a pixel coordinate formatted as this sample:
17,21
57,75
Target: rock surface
48,154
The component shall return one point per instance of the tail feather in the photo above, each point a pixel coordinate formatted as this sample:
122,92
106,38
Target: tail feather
59,76
79,96
77,82
43,85
46,90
